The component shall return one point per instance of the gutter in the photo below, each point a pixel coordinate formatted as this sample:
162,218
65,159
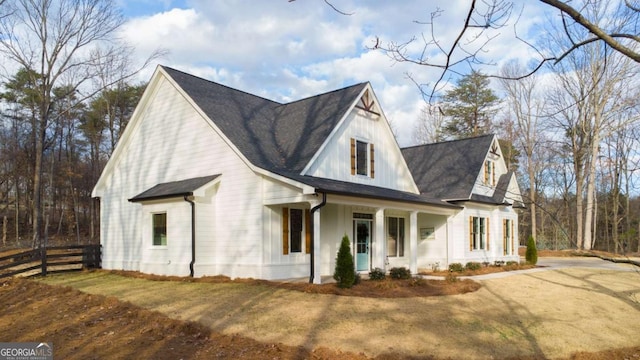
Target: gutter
312,252
193,234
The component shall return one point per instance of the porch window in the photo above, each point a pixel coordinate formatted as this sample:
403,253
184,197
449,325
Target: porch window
362,158
295,219
160,229
507,230
478,233
295,226
395,236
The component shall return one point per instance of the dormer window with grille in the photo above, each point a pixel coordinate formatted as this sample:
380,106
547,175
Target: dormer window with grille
489,173
362,158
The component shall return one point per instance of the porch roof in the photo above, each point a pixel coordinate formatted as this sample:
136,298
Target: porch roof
173,189
367,191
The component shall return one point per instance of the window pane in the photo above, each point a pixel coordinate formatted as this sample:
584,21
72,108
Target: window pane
295,219
392,236
361,156
160,229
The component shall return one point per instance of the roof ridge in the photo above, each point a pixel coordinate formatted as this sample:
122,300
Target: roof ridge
324,94
219,84
448,141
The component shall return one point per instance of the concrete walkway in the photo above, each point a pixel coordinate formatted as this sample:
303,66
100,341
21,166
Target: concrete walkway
553,263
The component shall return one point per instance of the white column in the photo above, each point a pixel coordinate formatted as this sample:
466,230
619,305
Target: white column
379,254
413,242
317,258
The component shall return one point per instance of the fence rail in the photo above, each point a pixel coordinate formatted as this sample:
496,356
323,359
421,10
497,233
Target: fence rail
51,259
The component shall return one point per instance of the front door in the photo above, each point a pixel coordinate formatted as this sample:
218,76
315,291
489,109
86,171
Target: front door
362,236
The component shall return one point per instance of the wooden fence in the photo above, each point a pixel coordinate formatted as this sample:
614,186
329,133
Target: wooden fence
51,259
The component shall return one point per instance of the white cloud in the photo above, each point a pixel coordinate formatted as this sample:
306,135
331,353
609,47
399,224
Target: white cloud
289,50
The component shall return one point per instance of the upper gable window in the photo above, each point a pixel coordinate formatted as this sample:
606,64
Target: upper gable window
489,173
362,158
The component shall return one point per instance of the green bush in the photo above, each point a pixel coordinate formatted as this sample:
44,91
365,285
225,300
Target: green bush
377,274
472,265
512,263
400,273
456,267
532,252
345,273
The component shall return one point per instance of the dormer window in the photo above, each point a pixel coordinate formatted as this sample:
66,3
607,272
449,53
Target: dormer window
362,158
489,173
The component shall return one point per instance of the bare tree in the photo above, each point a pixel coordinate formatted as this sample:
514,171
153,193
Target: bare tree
596,81
486,20
525,106
428,128
61,42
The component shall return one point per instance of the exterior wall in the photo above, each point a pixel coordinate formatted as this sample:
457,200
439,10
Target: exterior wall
174,258
170,141
334,161
459,234
432,250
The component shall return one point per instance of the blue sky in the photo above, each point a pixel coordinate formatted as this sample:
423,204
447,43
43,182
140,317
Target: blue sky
290,50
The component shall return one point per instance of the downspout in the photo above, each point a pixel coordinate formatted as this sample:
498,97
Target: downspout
312,253
193,234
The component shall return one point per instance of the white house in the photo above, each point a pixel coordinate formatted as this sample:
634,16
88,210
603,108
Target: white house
210,180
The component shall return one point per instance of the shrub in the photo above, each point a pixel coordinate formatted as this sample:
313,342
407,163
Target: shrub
400,273
345,273
456,267
472,265
532,253
377,274
451,278
357,279
512,263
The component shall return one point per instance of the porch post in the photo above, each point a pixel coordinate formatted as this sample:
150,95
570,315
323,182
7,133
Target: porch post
317,258
379,251
413,242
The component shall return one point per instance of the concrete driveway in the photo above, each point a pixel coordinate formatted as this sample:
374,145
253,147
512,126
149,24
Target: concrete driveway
553,263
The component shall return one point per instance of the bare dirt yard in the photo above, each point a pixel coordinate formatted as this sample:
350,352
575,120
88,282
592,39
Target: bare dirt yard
565,313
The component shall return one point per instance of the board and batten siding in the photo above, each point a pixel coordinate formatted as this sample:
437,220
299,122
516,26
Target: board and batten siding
171,141
334,161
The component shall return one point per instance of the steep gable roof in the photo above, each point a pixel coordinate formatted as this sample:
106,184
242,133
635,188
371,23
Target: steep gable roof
448,170
281,138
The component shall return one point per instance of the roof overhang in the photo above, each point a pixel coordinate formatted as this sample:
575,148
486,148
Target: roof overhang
175,189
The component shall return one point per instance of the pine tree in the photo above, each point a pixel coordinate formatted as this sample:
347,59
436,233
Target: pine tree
470,107
345,273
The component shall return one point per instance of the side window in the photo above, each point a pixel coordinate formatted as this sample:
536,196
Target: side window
160,229
478,233
507,229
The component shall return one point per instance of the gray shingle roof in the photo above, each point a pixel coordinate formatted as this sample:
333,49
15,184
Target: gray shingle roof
448,170
277,137
367,191
173,189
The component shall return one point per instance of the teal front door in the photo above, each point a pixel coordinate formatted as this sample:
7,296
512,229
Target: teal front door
362,236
